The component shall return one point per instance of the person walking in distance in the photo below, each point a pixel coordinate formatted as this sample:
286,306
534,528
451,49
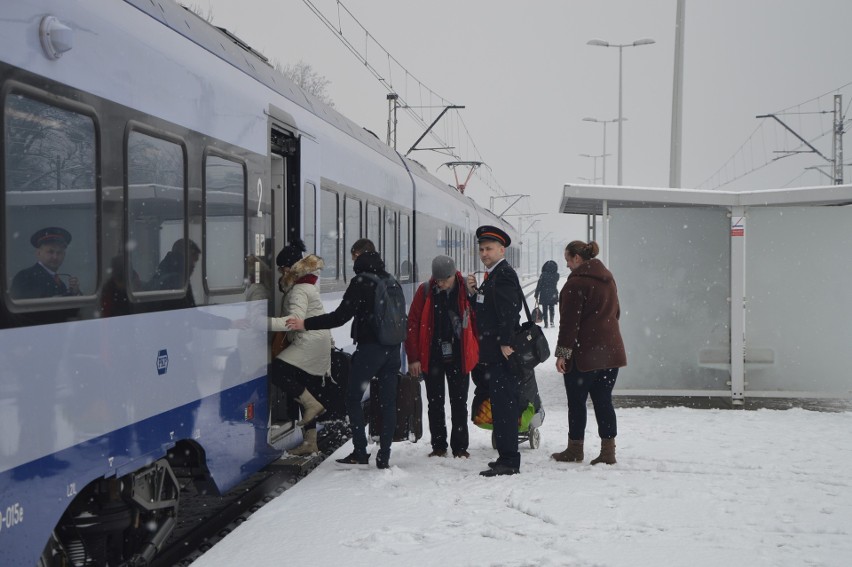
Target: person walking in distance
589,350
375,355
442,343
546,293
496,304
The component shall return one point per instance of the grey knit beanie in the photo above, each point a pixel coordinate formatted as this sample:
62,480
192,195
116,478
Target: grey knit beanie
443,267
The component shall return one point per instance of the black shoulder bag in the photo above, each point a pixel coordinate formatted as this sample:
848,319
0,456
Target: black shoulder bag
529,343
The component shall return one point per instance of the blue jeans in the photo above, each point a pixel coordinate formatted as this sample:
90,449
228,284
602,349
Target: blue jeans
579,386
383,362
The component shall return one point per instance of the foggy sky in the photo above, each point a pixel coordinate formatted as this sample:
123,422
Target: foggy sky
527,78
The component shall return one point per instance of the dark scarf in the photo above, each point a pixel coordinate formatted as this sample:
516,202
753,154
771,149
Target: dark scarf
310,278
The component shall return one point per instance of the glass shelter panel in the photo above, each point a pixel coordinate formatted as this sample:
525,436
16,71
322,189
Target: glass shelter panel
799,300
50,196
672,267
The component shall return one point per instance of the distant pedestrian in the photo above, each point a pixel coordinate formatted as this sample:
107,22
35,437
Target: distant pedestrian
371,357
497,304
546,293
442,343
589,350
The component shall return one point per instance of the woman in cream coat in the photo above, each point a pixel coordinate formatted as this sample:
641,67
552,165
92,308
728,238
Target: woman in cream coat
307,358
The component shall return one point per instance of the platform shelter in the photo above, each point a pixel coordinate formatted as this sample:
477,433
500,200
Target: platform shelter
735,294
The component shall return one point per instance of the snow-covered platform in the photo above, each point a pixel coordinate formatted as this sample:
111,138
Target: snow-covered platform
692,487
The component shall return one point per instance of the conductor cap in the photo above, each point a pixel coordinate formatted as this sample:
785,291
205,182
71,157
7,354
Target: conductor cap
488,232
50,235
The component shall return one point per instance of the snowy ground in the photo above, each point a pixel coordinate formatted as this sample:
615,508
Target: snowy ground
691,487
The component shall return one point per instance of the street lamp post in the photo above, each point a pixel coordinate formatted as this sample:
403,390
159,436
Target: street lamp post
595,165
603,153
620,46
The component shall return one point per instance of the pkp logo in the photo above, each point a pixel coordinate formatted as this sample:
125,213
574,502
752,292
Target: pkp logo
162,362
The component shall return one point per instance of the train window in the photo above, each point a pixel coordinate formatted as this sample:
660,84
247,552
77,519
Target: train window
390,242
329,233
224,224
374,224
405,272
156,214
351,231
50,195
309,217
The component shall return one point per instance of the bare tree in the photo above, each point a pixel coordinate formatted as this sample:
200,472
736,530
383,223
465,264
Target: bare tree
303,74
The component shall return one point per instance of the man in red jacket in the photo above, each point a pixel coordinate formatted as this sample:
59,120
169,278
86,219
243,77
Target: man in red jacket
442,343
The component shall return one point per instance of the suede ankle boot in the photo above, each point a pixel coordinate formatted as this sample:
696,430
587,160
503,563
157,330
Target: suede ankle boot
573,454
607,452
311,408
308,446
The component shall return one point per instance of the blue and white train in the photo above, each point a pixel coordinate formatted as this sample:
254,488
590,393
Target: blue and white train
145,132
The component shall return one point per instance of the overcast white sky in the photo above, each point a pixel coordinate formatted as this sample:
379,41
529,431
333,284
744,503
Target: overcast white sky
527,78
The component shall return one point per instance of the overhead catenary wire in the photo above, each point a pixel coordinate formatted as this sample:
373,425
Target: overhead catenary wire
432,101
746,159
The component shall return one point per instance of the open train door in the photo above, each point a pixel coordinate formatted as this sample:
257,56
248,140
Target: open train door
284,168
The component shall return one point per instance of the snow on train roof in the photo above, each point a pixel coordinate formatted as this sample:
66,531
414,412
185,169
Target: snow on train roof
230,48
589,199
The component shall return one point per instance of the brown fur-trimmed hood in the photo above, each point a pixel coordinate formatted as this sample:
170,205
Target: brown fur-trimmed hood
310,264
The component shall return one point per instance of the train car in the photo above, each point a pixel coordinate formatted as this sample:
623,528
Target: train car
152,165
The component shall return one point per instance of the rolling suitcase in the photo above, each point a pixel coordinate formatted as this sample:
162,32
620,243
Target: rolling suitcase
331,390
409,410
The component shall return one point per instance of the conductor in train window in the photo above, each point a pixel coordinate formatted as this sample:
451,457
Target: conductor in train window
44,279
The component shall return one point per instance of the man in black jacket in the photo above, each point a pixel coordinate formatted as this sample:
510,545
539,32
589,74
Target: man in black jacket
43,279
497,306
371,358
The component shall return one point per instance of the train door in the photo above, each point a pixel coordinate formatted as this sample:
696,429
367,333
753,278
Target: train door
286,203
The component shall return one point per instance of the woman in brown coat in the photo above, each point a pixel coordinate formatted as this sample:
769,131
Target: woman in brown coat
589,350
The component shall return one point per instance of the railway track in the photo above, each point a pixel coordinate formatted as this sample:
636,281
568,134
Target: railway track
205,519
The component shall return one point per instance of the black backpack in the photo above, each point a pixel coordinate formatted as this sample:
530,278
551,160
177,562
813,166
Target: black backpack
390,319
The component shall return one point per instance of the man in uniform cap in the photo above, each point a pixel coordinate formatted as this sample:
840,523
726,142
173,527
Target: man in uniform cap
43,278
497,304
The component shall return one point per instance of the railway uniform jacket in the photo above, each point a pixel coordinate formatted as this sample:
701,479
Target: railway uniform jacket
498,314
589,334
308,350
545,290
358,302
36,282
421,326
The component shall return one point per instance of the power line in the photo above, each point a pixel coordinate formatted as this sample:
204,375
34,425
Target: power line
753,155
433,100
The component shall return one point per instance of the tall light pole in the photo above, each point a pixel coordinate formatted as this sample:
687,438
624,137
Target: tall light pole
595,164
604,123
620,46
